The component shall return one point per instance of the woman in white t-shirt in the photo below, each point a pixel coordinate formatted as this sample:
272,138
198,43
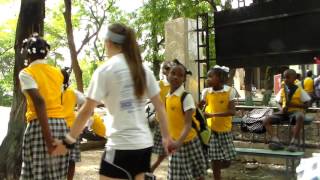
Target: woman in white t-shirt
123,84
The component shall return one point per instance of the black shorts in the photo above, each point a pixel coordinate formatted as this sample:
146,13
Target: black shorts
114,163
285,118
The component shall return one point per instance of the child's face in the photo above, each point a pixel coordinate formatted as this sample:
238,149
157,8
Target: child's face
213,80
176,76
289,78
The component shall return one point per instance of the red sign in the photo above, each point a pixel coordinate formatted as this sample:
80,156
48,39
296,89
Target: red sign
316,60
276,83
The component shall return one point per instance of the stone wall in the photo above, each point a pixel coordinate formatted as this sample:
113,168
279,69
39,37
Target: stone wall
181,43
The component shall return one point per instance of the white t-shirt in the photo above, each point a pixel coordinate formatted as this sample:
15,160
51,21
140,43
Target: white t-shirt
232,96
112,84
26,80
80,97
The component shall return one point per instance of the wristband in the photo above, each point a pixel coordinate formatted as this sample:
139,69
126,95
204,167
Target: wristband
67,145
69,139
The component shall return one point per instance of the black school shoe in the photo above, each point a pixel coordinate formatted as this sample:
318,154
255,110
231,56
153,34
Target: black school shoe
276,146
293,147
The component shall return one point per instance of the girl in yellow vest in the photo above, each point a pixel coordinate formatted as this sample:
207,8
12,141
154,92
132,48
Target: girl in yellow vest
188,162
42,84
293,100
219,100
70,99
157,138
98,126
308,85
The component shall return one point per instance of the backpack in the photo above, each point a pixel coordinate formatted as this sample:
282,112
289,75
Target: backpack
253,120
150,114
203,131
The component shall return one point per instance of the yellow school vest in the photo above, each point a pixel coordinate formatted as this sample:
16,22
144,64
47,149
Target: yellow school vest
69,102
296,99
49,81
308,85
218,102
164,90
176,119
98,126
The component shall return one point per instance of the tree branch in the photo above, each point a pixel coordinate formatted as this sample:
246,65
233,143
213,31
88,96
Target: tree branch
6,50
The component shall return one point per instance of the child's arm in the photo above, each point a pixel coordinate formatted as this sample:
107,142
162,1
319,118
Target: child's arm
231,111
187,127
82,117
40,108
161,112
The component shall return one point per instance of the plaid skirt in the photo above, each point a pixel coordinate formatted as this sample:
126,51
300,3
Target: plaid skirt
75,153
37,164
188,162
157,140
221,146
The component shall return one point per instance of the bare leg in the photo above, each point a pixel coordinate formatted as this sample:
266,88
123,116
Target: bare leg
267,124
158,162
299,124
217,166
71,169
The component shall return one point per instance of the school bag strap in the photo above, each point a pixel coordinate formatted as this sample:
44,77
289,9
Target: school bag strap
202,131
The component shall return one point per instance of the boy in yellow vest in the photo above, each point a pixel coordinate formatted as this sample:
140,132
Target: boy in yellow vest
70,99
293,100
41,84
157,138
188,162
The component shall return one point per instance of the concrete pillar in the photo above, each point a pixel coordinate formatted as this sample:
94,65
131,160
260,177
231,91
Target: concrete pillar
181,43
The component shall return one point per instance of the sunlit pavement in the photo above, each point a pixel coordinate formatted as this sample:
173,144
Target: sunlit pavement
4,114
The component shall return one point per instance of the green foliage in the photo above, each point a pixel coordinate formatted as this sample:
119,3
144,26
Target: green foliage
88,68
151,18
7,34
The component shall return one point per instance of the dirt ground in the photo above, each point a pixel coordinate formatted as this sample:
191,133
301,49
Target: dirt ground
88,169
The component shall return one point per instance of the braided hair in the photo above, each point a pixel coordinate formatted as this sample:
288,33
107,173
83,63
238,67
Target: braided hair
66,76
176,62
35,47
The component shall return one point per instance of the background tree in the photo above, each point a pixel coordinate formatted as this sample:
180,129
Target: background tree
31,19
150,20
6,61
93,27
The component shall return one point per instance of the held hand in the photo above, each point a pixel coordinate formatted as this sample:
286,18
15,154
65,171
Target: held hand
51,147
176,145
168,145
60,148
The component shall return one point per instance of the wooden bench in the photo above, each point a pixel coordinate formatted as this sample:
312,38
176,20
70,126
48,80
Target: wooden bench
289,156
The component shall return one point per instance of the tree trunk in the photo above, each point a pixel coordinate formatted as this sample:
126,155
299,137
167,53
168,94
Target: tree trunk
73,52
155,51
248,86
30,20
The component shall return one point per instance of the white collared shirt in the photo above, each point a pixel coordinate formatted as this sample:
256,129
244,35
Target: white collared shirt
26,80
111,83
188,102
232,96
